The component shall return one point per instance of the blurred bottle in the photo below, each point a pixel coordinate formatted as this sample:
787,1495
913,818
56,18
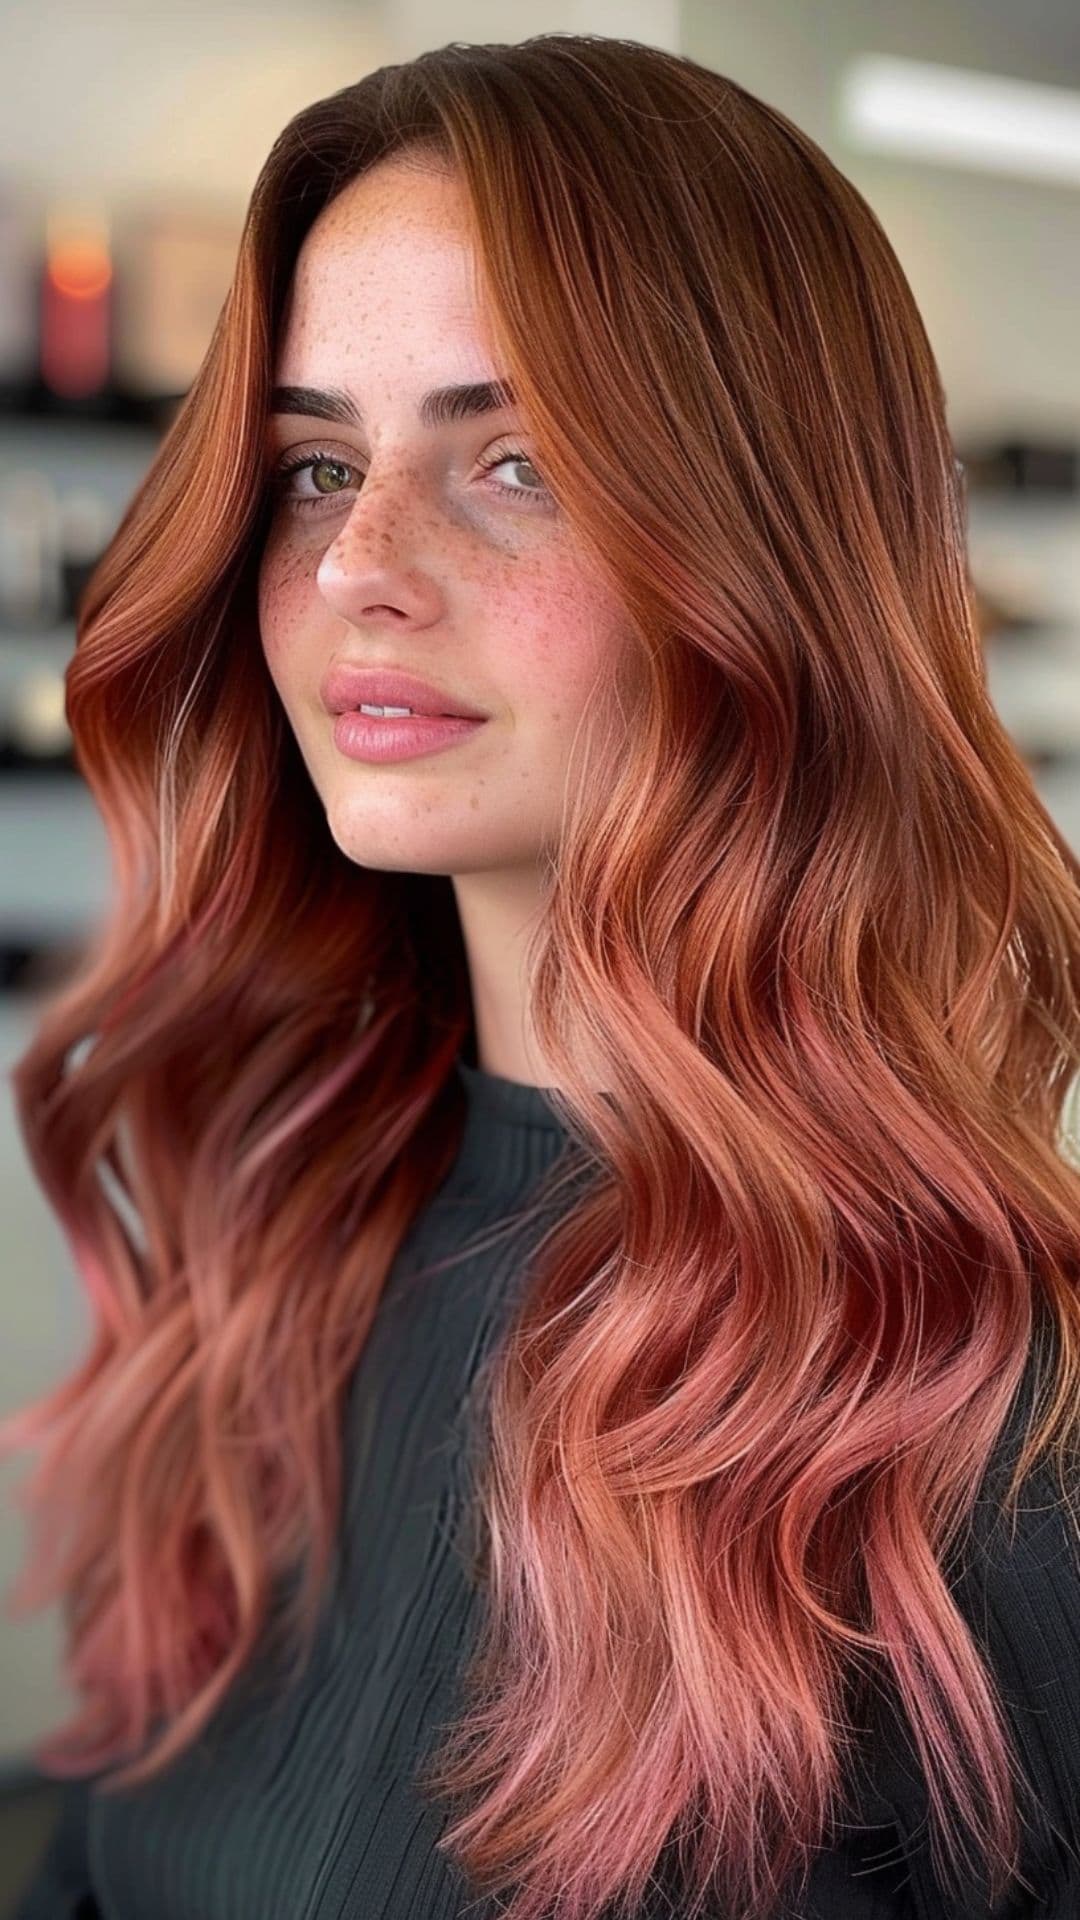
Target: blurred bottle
86,524
31,585
175,269
36,733
76,303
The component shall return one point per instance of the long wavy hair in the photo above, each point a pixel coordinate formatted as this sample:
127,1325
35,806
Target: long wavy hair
808,925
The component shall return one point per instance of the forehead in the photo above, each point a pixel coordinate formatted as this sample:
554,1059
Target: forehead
387,273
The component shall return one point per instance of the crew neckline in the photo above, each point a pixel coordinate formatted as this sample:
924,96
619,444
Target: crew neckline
510,1102
510,1137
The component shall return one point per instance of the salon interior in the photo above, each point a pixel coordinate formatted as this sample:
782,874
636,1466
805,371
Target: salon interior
129,143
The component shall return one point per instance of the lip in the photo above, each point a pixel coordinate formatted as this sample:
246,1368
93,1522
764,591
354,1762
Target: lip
362,736
347,686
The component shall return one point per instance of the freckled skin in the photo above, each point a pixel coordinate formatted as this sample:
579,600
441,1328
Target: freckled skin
418,560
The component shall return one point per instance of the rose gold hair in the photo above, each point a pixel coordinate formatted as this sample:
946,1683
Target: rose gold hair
810,928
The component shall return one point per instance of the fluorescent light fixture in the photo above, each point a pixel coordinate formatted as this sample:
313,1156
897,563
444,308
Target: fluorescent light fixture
983,121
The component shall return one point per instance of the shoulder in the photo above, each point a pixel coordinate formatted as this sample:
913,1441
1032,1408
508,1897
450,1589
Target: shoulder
1019,1560
1014,1577
1016,1581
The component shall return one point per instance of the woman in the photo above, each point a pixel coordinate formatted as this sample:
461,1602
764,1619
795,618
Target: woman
712,1550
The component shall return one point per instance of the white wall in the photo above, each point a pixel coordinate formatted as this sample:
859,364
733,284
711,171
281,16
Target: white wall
123,99
140,98
994,263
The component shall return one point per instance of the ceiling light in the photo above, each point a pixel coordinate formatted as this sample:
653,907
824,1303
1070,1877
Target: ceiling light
961,118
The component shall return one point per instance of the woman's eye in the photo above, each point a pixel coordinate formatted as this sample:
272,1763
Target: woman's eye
539,495
307,463
327,472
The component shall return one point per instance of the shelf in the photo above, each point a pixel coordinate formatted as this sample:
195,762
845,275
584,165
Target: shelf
35,402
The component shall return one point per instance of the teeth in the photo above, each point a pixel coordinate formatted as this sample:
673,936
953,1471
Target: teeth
394,712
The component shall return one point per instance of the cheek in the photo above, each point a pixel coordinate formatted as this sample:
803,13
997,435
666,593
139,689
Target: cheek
583,653
284,595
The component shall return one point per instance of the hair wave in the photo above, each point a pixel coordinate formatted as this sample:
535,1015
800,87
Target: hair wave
807,921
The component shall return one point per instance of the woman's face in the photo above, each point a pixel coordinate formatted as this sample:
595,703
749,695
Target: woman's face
400,550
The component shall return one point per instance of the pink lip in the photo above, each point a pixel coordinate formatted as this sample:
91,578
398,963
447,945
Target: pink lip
363,736
347,685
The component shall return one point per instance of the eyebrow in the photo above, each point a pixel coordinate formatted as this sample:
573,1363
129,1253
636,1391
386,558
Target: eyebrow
442,406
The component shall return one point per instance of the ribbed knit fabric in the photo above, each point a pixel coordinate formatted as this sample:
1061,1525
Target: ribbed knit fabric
301,1804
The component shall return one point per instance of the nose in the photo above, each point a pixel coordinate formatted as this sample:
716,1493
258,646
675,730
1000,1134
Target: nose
372,566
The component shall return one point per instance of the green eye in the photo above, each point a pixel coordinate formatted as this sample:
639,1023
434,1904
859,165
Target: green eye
528,496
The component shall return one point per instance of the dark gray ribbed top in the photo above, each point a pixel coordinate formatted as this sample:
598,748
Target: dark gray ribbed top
300,1803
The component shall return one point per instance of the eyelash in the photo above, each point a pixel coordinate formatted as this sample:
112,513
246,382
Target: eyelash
306,461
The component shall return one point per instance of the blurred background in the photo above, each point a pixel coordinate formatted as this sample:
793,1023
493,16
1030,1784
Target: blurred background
130,139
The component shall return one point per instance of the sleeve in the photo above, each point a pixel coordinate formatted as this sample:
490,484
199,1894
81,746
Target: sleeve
60,1886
